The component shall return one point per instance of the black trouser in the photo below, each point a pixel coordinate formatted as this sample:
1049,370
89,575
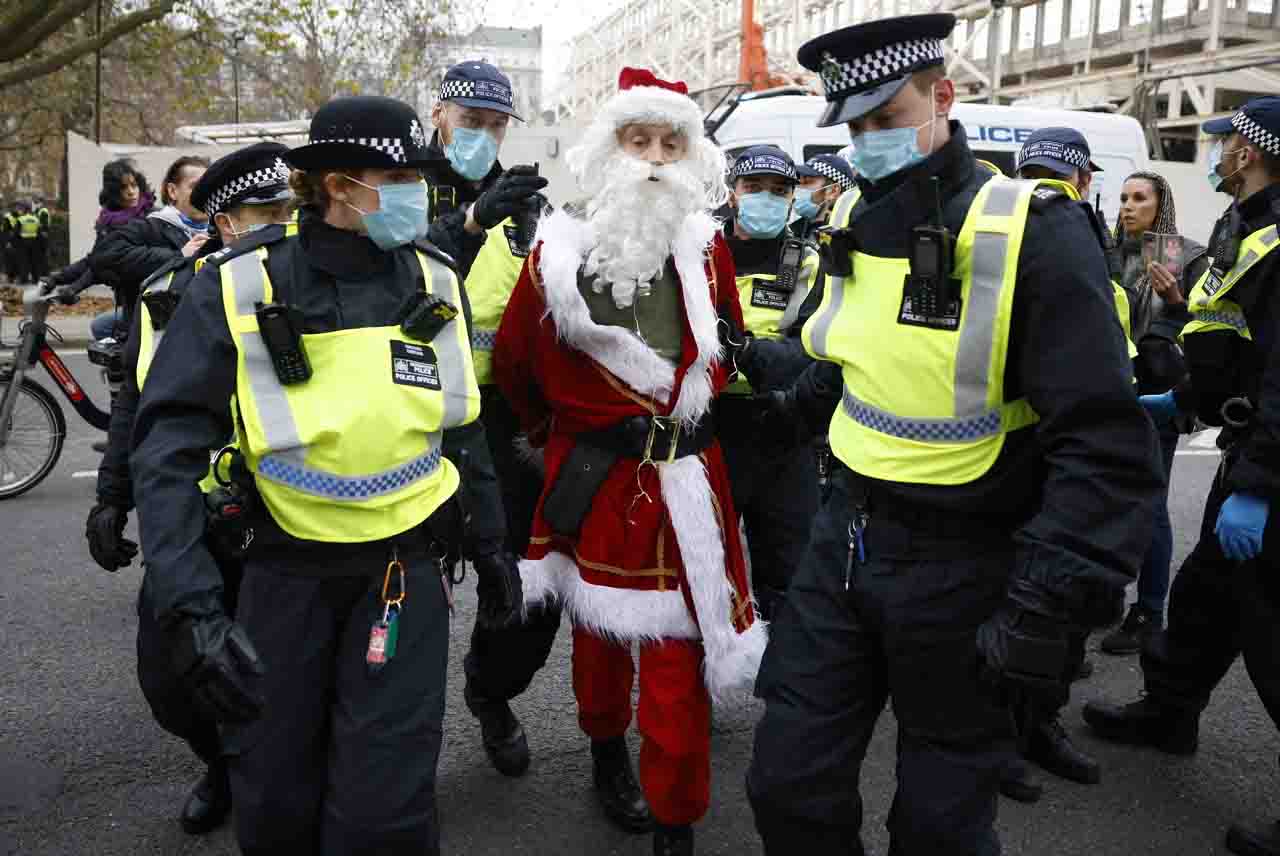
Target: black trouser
37,257
163,689
775,492
501,663
1218,610
904,629
342,761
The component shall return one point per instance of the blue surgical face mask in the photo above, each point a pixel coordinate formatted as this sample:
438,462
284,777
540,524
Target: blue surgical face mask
763,214
472,153
401,216
805,207
1215,160
879,154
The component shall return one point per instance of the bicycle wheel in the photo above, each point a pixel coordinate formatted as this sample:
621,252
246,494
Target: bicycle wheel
37,429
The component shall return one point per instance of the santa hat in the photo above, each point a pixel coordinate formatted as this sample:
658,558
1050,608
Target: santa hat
643,98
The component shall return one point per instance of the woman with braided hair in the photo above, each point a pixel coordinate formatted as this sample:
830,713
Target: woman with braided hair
1158,312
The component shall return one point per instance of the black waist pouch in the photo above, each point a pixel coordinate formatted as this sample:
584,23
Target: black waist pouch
577,483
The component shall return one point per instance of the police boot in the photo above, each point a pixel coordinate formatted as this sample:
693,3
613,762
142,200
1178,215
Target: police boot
1145,722
1018,782
501,734
672,840
1049,746
1248,841
209,802
616,786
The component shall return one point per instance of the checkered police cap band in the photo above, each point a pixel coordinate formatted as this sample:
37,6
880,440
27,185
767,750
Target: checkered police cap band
272,177
1256,134
763,163
392,147
840,77
481,90
1054,150
826,170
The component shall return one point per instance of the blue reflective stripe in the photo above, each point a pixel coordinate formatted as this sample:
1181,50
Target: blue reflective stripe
483,340
1231,319
986,424
335,487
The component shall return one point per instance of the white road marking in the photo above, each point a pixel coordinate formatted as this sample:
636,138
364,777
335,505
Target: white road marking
84,474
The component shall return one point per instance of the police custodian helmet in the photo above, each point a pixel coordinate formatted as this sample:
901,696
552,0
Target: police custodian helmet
362,132
863,66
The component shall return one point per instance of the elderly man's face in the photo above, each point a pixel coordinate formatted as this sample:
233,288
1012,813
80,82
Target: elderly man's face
656,144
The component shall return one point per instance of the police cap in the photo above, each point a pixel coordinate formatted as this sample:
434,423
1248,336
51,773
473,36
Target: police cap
764,160
254,175
1258,121
1062,150
362,132
863,66
478,84
831,167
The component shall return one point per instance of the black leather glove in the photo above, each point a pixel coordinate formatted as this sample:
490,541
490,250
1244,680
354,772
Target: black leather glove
219,666
780,422
510,195
501,596
66,295
1024,652
105,531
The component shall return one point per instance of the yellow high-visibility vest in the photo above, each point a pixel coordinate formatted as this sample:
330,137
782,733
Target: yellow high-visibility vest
354,453
768,312
921,404
1211,308
28,226
493,277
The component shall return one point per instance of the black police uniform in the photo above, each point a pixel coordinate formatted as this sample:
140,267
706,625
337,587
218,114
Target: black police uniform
341,762
501,662
1220,609
1059,519
836,170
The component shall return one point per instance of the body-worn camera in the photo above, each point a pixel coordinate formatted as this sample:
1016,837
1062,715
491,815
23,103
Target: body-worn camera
426,316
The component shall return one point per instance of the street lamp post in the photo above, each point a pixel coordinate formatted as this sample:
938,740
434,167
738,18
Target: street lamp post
235,77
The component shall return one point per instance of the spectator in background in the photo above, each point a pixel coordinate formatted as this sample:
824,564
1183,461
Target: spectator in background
125,197
1157,314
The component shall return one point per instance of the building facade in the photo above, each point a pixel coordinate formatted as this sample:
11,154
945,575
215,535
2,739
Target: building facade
517,52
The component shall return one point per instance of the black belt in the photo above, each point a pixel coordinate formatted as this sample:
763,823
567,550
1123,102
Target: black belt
652,438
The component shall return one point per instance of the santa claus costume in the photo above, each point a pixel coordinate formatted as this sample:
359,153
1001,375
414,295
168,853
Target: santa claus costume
611,340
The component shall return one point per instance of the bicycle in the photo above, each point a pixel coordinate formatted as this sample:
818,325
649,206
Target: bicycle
32,425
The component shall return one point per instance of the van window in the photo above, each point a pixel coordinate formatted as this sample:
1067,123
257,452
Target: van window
811,152
1004,160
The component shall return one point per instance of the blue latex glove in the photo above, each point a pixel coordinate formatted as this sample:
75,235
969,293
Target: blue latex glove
1162,407
1241,522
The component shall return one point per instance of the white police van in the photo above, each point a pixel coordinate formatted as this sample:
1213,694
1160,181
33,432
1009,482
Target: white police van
786,117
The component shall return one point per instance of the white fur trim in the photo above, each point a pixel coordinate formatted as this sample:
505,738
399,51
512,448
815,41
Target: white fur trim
732,659
565,244
654,105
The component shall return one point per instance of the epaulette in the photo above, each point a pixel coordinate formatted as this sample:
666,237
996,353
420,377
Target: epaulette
1042,197
435,252
272,234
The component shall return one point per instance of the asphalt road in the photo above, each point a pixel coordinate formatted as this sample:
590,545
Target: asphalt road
84,770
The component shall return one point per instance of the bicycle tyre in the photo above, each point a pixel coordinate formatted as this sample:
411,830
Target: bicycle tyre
46,410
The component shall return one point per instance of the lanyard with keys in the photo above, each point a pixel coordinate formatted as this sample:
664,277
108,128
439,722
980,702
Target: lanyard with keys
383,635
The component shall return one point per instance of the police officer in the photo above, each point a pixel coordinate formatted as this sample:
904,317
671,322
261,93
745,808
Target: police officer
28,243
1225,600
997,470
41,263
483,216
346,348
823,178
772,473
245,191
9,244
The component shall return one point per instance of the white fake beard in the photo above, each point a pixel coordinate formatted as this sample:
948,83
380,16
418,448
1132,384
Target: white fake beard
634,220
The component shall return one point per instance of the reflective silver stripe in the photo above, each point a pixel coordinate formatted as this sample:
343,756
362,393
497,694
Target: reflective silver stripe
844,205
976,427
986,285
1270,236
825,317
448,344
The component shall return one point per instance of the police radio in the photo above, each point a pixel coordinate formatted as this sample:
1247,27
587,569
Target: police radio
928,295
789,264
526,222
1224,245
281,333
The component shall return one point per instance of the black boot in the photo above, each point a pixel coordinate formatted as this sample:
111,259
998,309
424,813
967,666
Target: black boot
1133,632
1049,746
1018,782
209,803
1145,722
1247,841
672,840
616,786
501,733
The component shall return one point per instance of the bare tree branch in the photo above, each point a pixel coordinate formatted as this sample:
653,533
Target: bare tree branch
119,27
17,40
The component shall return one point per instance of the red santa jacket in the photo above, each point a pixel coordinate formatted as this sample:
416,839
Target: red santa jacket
659,553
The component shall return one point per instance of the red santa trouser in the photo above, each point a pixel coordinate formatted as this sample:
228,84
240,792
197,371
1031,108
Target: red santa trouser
674,717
